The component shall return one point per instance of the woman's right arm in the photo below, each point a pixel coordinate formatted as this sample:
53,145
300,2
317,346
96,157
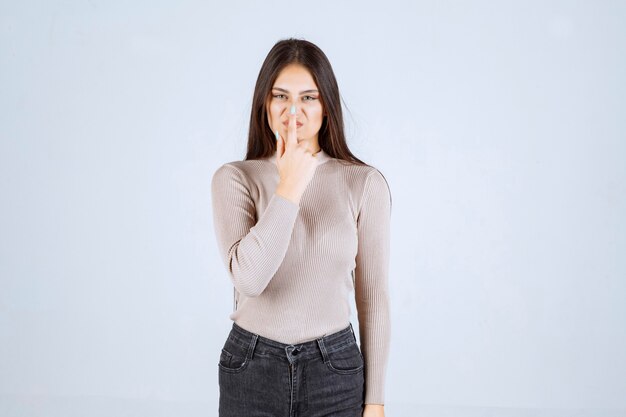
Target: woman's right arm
251,250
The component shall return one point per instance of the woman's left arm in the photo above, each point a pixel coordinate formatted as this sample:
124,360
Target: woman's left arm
371,287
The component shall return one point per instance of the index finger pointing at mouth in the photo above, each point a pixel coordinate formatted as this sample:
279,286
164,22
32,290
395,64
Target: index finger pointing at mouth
292,130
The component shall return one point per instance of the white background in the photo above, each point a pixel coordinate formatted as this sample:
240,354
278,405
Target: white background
500,127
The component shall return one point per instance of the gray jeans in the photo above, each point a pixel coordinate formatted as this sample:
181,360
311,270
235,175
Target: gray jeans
262,377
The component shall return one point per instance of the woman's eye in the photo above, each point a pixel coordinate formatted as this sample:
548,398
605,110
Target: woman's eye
306,98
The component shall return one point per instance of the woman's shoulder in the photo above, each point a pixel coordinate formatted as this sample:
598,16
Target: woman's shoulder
365,181
362,179
357,173
246,172
244,167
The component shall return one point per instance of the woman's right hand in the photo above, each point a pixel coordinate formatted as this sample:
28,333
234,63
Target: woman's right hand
296,165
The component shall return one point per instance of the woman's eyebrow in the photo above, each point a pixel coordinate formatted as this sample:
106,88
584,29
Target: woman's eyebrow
301,92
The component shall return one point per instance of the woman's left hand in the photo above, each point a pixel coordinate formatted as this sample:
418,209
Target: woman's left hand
374,410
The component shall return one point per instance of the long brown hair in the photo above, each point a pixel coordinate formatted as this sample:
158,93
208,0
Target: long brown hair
331,137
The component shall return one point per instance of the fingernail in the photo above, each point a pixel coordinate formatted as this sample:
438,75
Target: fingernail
293,109
276,133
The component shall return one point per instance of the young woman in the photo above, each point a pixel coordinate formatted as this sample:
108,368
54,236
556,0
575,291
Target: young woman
300,224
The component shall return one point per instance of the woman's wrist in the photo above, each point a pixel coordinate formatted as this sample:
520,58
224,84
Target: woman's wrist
374,410
288,192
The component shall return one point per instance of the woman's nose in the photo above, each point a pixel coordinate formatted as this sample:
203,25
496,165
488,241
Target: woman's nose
292,104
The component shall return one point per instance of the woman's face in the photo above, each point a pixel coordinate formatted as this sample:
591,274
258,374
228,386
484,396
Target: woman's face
295,85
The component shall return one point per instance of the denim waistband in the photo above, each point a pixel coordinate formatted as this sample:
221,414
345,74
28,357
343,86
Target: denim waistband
318,347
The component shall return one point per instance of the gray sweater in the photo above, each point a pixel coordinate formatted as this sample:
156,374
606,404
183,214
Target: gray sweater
293,266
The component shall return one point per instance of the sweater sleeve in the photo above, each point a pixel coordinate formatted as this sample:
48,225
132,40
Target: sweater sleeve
371,283
251,250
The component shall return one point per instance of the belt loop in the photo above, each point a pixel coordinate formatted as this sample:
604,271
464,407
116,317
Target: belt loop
252,346
320,343
352,330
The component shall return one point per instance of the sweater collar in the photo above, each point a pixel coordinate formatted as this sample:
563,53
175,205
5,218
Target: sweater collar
321,157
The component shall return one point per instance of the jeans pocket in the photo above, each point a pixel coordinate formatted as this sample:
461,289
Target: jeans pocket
233,358
347,360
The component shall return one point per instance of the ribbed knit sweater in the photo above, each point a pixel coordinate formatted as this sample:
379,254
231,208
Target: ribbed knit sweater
293,266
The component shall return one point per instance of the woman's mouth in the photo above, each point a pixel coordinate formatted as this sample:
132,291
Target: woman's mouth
298,124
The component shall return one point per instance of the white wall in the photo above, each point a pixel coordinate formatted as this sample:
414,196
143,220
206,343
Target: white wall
500,127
